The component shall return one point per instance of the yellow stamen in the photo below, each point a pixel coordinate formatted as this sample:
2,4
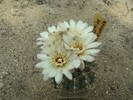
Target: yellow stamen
78,47
59,59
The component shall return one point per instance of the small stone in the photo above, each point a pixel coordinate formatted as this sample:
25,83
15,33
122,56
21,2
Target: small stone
112,70
1,85
127,69
1,98
83,74
107,92
1,77
86,81
74,87
87,86
95,91
107,2
16,12
1,2
24,4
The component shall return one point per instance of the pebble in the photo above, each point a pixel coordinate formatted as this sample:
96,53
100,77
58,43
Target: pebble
24,4
1,84
16,12
127,68
107,92
1,77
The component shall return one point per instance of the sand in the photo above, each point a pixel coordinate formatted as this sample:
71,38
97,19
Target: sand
21,21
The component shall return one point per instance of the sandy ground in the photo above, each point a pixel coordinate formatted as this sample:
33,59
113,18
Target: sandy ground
21,21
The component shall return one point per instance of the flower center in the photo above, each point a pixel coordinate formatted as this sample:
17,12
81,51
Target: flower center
78,48
77,45
59,59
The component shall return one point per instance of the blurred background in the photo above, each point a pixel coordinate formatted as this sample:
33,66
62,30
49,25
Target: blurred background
21,21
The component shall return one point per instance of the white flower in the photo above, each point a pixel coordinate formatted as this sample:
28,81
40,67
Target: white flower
81,40
66,47
63,26
53,35
46,36
56,62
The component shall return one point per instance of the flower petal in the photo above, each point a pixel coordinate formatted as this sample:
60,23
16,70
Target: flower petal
39,39
67,38
52,29
72,24
87,58
90,37
42,56
66,46
52,73
66,24
81,25
88,29
44,34
92,51
58,77
45,77
74,62
82,65
40,43
62,26
43,64
93,45
68,74
46,71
